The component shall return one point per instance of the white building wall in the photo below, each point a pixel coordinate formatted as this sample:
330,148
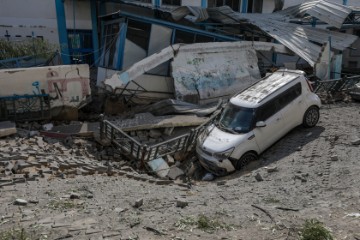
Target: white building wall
191,3
268,6
21,18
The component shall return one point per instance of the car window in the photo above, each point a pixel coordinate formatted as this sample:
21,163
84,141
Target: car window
289,95
237,119
267,110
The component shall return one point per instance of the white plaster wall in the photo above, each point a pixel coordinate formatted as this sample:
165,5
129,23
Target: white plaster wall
191,3
24,17
268,6
73,82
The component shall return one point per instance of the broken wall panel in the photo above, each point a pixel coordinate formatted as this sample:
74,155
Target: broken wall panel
202,77
219,69
64,85
160,38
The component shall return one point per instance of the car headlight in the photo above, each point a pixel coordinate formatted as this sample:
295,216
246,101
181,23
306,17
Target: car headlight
204,134
225,154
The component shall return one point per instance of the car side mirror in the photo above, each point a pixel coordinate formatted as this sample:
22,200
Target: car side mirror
260,124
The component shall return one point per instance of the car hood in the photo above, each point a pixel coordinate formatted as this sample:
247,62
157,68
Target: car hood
219,141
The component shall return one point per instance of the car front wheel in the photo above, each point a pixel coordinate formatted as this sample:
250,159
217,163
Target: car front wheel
311,117
245,159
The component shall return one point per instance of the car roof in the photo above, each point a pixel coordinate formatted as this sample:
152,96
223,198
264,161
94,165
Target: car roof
254,95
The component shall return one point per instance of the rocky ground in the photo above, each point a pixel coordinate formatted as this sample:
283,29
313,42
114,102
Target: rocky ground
310,173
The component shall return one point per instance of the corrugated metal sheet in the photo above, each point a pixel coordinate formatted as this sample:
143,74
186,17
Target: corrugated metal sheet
264,88
299,38
296,37
332,13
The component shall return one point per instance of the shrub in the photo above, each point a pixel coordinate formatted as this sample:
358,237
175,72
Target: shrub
314,230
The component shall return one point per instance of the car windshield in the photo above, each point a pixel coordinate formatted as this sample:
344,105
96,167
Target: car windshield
236,119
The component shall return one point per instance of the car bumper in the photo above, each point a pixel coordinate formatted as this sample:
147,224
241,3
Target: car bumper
219,168
355,95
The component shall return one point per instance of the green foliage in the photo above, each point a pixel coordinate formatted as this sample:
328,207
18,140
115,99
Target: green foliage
314,230
63,205
21,234
29,47
204,223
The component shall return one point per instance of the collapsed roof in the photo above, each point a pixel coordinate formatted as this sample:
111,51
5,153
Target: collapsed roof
305,41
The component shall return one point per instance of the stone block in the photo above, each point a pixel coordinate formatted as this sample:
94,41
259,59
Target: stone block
7,128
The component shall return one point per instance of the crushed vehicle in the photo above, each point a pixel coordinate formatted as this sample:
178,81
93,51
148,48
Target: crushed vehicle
256,118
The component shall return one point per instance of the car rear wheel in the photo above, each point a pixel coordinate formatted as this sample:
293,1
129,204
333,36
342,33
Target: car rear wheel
311,117
245,159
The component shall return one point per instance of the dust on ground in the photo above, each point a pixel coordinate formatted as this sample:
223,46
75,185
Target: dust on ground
310,173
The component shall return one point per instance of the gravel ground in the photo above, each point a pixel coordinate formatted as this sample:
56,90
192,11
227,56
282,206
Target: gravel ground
310,173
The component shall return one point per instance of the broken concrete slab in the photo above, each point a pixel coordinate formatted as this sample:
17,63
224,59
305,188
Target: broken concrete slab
159,167
175,172
146,121
86,129
67,86
7,128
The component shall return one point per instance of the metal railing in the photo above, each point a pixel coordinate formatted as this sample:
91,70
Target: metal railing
134,150
25,107
336,85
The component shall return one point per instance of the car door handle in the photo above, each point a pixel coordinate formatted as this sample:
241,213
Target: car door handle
251,137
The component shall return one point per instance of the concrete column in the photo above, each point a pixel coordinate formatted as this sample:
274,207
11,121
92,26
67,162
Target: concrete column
62,31
204,3
95,39
244,6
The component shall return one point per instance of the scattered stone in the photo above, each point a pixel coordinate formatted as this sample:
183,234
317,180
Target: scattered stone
138,203
334,158
181,203
300,177
120,210
111,234
74,195
271,169
7,128
159,166
153,133
34,201
163,182
48,126
175,172
170,160
356,141
221,183
208,177
20,202
92,231
169,131
258,177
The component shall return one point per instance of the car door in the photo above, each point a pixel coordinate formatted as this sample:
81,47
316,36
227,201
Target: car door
292,107
273,130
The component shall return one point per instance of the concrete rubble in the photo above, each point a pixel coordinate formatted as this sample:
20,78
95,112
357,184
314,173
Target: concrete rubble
7,128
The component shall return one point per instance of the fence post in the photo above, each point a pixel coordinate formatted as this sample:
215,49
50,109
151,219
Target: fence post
101,126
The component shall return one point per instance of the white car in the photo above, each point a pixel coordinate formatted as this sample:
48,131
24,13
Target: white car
255,119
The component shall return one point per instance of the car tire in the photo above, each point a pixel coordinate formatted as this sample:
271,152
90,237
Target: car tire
245,159
311,117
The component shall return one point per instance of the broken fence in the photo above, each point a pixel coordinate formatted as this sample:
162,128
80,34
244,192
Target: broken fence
336,85
25,107
144,153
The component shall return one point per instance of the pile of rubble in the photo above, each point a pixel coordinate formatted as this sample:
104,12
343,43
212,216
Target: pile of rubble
28,155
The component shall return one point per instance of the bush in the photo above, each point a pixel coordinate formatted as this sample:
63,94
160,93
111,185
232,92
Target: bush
314,230
29,47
